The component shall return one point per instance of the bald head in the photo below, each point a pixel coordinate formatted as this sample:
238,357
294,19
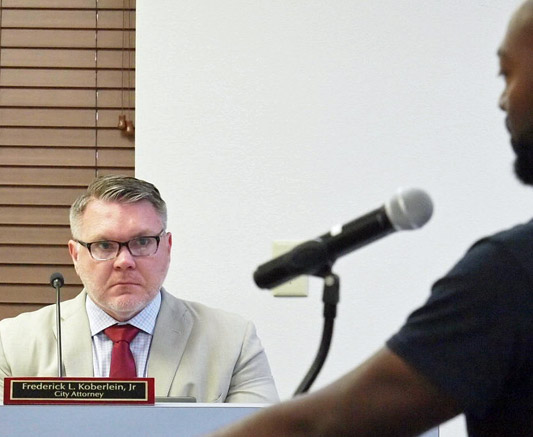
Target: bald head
521,24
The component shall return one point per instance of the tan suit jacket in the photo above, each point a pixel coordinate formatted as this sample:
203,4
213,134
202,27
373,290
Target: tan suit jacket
197,351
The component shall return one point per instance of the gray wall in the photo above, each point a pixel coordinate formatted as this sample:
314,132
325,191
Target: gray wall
268,120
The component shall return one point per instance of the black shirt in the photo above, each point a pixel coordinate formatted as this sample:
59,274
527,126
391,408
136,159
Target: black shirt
473,338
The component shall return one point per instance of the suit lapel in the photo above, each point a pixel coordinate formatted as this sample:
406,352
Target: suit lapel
171,333
172,330
76,338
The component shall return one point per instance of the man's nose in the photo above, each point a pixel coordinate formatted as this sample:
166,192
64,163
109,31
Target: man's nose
502,101
124,258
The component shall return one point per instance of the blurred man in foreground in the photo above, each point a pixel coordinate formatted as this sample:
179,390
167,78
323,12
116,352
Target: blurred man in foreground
469,349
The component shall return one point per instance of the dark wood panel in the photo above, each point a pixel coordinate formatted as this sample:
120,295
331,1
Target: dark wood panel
109,59
47,157
47,176
27,136
116,157
55,196
84,4
34,215
14,274
36,294
114,138
53,58
67,19
47,117
120,171
117,98
39,235
109,117
46,18
49,38
52,78
11,254
75,39
56,138
67,98
53,98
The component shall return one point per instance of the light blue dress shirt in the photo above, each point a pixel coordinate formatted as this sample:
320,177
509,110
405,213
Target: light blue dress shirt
102,345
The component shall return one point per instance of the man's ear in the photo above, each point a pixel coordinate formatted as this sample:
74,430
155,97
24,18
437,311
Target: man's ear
169,240
73,247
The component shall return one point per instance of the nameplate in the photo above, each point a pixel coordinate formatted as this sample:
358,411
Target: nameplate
29,390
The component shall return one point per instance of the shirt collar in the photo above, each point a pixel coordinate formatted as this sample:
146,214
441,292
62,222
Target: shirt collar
145,320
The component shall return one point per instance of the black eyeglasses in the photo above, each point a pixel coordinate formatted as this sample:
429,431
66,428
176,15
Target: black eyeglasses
106,249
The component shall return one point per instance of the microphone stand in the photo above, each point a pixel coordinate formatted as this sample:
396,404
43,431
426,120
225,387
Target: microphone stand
330,298
57,282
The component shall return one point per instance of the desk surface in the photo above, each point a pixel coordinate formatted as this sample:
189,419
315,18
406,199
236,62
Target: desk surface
182,420
164,419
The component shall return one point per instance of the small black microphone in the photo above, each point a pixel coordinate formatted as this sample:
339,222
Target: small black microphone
57,281
408,209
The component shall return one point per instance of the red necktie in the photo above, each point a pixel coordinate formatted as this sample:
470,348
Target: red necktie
122,362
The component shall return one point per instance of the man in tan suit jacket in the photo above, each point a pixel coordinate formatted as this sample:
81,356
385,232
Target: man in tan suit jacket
121,251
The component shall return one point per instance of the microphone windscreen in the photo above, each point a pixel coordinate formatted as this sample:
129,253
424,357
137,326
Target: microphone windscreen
409,209
57,278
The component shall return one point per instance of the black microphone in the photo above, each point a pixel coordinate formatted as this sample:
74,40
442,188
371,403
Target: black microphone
407,210
57,281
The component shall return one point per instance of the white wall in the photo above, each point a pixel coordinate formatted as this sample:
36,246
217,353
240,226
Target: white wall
266,120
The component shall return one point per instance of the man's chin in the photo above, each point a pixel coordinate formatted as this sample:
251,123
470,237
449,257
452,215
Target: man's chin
523,165
124,307
523,169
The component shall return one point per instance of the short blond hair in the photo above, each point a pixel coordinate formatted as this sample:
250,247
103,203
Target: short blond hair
116,188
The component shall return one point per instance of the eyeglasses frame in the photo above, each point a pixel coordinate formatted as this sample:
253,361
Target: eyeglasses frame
121,245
